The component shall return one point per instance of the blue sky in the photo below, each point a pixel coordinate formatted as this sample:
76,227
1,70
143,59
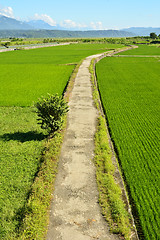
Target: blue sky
90,14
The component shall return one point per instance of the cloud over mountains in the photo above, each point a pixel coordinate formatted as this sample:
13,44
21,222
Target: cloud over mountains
65,24
45,18
7,12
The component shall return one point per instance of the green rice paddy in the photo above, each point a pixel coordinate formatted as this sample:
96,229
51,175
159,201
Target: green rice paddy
143,50
27,75
66,54
23,84
130,93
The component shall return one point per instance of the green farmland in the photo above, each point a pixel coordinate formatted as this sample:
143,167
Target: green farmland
24,77
27,75
130,93
143,50
26,82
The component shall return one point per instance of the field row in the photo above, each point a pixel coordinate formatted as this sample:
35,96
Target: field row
143,50
130,92
24,83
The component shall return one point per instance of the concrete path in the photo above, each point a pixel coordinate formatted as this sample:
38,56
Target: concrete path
75,212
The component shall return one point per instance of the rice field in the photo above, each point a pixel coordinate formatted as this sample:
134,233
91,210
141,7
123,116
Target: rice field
27,75
143,50
24,77
66,54
130,94
23,84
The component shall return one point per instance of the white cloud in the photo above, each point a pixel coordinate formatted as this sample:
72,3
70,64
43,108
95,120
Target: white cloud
97,25
7,12
45,18
71,24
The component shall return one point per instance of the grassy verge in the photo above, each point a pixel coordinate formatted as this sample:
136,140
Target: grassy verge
36,219
110,192
110,197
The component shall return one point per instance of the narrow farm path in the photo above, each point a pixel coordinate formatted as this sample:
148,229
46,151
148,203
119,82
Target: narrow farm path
75,212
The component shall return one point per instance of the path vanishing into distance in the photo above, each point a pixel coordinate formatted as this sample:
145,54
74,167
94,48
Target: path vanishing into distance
75,212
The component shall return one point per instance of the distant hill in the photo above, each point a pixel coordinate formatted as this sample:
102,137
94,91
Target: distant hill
63,34
13,24
40,24
142,31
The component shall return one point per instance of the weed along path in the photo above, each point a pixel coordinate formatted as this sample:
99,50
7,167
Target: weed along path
75,212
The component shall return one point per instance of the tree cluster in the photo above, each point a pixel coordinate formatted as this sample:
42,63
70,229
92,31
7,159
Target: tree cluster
154,35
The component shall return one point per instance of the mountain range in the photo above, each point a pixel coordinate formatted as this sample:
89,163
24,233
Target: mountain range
7,23
10,27
142,31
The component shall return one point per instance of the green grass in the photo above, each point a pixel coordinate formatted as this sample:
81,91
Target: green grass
130,93
36,217
23,84
28,164
110,199
21,144
143,50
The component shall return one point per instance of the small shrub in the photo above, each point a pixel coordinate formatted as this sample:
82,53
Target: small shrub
50,112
